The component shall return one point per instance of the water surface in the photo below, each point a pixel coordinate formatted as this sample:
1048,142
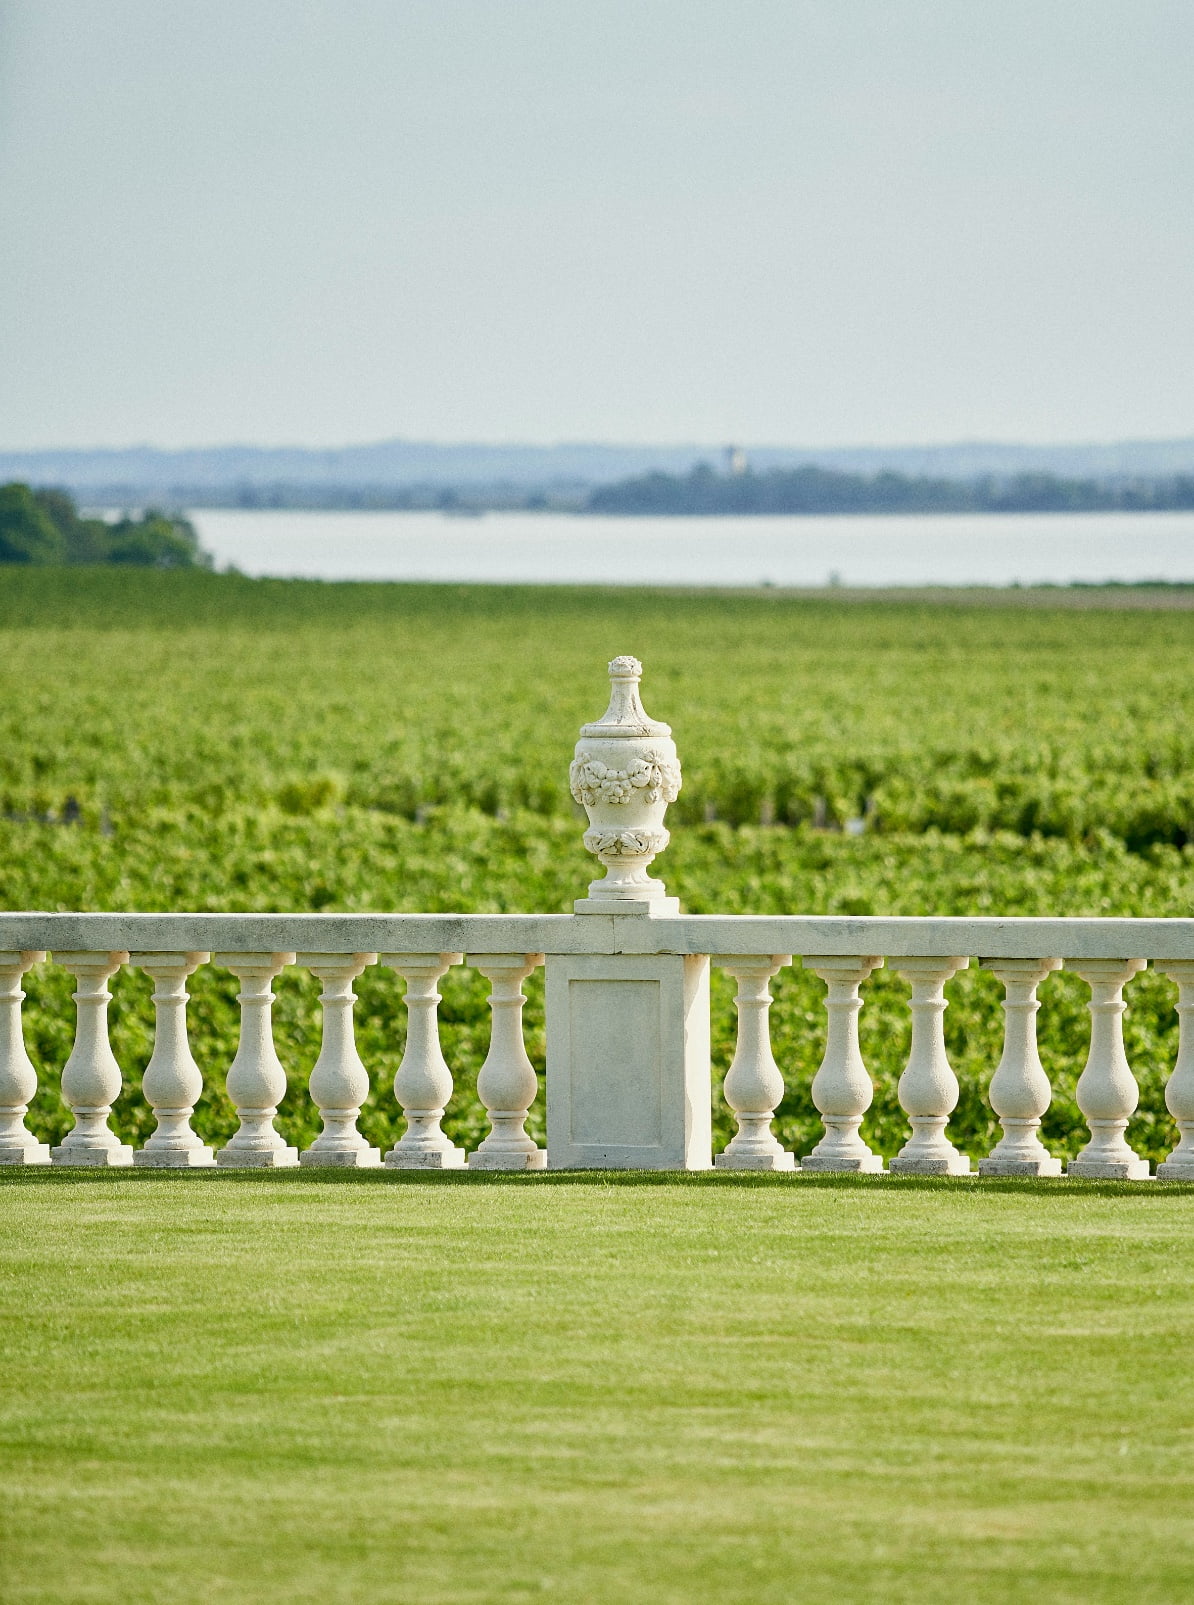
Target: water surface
543,548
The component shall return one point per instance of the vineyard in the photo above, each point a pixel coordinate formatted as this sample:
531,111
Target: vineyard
198,741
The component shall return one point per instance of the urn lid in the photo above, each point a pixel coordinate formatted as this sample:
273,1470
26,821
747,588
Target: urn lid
625,715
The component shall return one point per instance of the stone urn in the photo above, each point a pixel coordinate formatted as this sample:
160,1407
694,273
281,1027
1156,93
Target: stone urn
624,775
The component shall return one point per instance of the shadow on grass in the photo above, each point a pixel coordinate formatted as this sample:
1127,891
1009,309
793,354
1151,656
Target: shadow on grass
800,1181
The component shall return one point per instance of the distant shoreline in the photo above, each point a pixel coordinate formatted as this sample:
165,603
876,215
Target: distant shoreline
112,504
661,480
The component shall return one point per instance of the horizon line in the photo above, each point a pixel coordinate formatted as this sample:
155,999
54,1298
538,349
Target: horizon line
962,443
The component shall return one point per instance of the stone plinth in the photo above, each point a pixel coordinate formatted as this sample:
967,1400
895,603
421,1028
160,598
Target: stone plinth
628,1063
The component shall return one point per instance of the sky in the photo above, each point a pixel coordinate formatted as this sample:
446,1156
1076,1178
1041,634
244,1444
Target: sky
806,222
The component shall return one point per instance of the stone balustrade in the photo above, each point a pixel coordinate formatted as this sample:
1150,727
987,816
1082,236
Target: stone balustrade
628,1081
627,1016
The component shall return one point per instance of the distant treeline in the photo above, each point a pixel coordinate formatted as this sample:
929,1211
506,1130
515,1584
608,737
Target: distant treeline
824,490
351,498
44,526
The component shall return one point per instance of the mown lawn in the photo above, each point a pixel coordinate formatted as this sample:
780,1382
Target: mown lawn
594,1388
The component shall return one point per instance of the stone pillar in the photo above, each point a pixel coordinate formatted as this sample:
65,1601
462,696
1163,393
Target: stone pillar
1020,1092
753,1084
339,1080
507,1083
173,1083
628,1084
842,1088
1107,1093
1179,1090
423,1082
18,1078
928,1089
91,1079
256,1079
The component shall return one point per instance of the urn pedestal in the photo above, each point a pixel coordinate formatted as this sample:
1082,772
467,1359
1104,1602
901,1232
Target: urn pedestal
627,1036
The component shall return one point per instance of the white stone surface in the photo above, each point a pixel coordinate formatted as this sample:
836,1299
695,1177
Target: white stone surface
423,1082
1179,1090
753,1084
172,1083
256,1079
1107,1093
91,1079
624,774
18,1078
842,1088
339,1080
651,908
640,927
506,1083
1020,1092
628,1063
928,1088
811,936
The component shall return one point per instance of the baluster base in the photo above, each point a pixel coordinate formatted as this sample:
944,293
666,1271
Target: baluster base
1109,1169
283,1158
512,1159
199,1157
781,1160
426,1159
954,1164
1171,1169
992,1165
118,1156
30,1153
845,1164
341,1158
999,1164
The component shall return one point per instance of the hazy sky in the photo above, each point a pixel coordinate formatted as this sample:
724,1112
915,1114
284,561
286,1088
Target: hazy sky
795,221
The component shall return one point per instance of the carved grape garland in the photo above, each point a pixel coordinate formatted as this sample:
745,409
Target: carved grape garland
652,777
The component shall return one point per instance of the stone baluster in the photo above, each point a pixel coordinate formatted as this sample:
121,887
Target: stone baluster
507,1083
91,1079
842,1088
753,1084
173,1082
256,1079
928,1088
1020,1092
339,1081
423,1083
18,1078
1179,1092
1107,1093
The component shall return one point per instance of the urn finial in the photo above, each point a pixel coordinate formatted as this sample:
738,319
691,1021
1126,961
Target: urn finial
624,774
625,715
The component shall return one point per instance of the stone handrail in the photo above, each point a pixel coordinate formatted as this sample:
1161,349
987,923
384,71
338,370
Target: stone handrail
627,1015
810,935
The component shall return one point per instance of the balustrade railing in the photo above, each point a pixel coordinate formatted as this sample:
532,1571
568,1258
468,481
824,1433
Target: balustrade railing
627,1019
613,1051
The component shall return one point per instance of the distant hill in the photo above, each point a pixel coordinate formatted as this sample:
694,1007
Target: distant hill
372,474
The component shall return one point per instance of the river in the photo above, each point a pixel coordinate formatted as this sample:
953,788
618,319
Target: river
548,548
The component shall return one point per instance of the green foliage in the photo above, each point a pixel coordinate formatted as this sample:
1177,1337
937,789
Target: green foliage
237,744
155,541
43,526
826,490
27,532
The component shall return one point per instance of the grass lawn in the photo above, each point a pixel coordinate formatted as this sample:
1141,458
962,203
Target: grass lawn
594,1388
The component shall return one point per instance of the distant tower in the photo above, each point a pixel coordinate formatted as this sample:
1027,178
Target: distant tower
736,460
